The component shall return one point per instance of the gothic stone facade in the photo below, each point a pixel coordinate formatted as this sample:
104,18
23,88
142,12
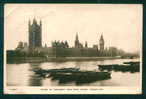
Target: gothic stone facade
35,34
59,48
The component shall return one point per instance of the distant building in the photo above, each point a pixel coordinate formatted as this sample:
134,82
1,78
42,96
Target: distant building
101,43
35,34
60,48
58,44
25,45
95,46
22,46
77,42
45,45
86,44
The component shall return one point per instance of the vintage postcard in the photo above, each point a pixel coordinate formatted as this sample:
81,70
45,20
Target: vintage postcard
73,48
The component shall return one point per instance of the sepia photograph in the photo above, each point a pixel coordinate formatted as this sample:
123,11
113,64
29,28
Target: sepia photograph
73,48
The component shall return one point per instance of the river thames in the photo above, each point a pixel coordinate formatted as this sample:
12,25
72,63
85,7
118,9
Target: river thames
22,74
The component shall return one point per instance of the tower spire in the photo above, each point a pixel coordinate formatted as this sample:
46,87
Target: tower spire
101,37
101,43
77,43
34,21
40,22
77,36
29,22
86,44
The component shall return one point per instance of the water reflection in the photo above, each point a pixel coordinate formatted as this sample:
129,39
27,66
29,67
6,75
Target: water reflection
23,75
35,80
17,74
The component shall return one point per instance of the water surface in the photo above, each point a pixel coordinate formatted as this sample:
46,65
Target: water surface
22,74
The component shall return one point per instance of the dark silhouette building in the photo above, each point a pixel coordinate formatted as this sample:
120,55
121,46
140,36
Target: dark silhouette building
58,44
86,44
77,42
59,48
101,43
35,34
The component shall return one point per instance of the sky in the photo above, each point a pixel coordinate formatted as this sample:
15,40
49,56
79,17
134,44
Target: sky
120,24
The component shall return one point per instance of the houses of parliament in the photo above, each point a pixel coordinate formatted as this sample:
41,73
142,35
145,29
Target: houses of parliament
57,48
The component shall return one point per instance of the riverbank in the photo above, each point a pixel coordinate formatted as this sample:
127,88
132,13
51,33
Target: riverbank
54,59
